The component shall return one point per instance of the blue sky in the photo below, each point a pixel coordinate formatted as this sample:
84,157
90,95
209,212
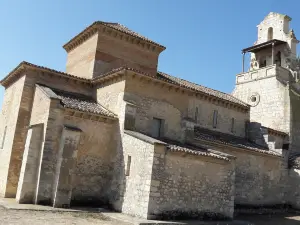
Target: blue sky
203,37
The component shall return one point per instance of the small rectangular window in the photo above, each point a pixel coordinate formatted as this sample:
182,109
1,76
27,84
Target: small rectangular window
3,138
157,128
215,119
128,165
232,125
196,114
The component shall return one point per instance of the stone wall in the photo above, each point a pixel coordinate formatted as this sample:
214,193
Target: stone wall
294,183
191,185
130,194
259,179
154,99
16,133
96,152
295,121
110,95
8,119
271,107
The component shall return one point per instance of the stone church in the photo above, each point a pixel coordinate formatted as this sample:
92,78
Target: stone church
114,131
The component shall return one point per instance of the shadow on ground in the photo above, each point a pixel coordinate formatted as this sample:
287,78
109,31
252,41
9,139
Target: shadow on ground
281,219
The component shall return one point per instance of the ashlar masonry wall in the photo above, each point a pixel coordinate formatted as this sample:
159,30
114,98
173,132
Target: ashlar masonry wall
133,172
153,99
94,167
191,185
260,179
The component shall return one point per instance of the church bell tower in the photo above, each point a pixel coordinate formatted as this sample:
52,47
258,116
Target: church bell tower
271,84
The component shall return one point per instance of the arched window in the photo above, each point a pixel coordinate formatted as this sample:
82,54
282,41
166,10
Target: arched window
270,33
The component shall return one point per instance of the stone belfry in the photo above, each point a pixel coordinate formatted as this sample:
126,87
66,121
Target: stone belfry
271,86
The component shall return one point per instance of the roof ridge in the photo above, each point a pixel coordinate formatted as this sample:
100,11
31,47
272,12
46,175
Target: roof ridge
199,85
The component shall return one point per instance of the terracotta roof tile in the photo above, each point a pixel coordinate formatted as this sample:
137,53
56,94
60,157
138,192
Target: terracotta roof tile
198,151
160,76
175,146
78,102
201,88
231,140
92,29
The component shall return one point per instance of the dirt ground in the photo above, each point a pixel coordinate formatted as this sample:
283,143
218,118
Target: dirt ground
25,217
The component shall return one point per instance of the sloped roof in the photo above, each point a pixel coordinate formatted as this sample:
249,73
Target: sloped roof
160,76
175,146
90,30
77,101
201,88
231,140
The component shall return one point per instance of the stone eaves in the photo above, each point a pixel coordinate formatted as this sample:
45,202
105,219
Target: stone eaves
216,137
207,92
173,146
96,26
24,66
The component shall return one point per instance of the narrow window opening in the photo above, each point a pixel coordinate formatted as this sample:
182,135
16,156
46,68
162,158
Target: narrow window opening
270,33
128,165
232,125
3,138
215,119
157,128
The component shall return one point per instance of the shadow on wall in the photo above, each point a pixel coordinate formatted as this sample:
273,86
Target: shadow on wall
109,195
117,187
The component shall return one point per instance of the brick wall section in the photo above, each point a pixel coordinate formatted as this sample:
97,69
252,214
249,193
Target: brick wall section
191,184
81,60
101,53
118,52
9,116
20,137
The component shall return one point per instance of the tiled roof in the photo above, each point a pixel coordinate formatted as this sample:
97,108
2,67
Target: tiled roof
126,30
195,151
230,140
175,146
92,29
160,76
201,88
77,101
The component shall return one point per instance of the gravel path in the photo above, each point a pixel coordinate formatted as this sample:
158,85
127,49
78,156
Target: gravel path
25,217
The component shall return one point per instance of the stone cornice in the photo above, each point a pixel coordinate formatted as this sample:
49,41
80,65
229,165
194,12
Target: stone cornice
25,66
164,83
113,75
69,113
253,151
115,32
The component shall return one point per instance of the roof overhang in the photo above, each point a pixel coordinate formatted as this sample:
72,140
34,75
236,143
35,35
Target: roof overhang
264,45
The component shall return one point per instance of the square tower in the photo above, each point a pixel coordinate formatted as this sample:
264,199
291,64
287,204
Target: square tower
104,46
